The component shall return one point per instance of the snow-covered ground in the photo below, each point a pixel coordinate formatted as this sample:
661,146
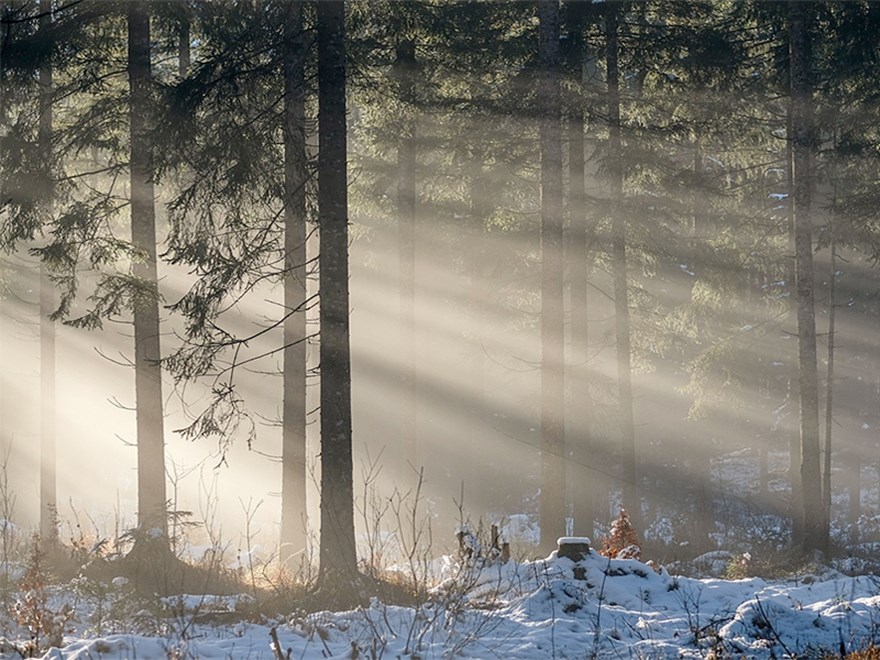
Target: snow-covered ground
542,609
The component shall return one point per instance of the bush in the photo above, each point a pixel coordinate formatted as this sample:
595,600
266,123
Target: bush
622,542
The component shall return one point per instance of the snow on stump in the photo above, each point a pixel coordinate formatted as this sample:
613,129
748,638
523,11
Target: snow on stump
573,547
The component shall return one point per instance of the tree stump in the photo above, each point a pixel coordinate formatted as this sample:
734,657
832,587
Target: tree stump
573,547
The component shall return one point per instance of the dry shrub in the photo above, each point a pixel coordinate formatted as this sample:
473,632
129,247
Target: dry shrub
45,625
622,542
872,652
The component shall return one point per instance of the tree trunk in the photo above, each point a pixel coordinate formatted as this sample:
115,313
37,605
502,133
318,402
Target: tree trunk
5,434
479,491
855,492
152,513
808,382
552,506
338,570
629,474
794,445
48,478
5,31
829,389
293,451
764,468
582,488
701,448
406,227
183,40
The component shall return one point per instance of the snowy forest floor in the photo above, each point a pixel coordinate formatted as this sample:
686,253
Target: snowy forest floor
550,608
753,599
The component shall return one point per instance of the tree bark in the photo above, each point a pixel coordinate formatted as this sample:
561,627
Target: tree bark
854,466
293,453
629,473
5,32
183,40
406,233
808,382
152,508
338,564
552,504
48,478
5,436
582,488
829,388
701,448
794,445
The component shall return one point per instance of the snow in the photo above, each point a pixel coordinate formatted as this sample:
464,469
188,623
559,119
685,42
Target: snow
552,607
573,540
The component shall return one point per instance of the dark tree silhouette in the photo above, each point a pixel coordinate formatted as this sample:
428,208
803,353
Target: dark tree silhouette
338,561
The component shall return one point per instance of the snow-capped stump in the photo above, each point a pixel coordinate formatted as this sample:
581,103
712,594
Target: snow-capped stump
573,547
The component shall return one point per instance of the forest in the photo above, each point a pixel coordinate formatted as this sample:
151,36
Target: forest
432,328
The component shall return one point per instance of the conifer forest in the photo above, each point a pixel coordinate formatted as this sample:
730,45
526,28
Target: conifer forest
439,328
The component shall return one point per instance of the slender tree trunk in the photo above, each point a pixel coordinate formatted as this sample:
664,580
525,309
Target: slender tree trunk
4,423
338,570
704,523
829,388
764,467
855,492
479,292
5,439
808,381
48,479
582,489
406,233
152,508
293,452
552,507
183,40
629,474
5,31
794,445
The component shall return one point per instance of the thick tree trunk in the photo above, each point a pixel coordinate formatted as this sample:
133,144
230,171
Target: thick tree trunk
293,453
629,473
552,507
580,444
808,382
48,478
406,233
152,513
338,570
